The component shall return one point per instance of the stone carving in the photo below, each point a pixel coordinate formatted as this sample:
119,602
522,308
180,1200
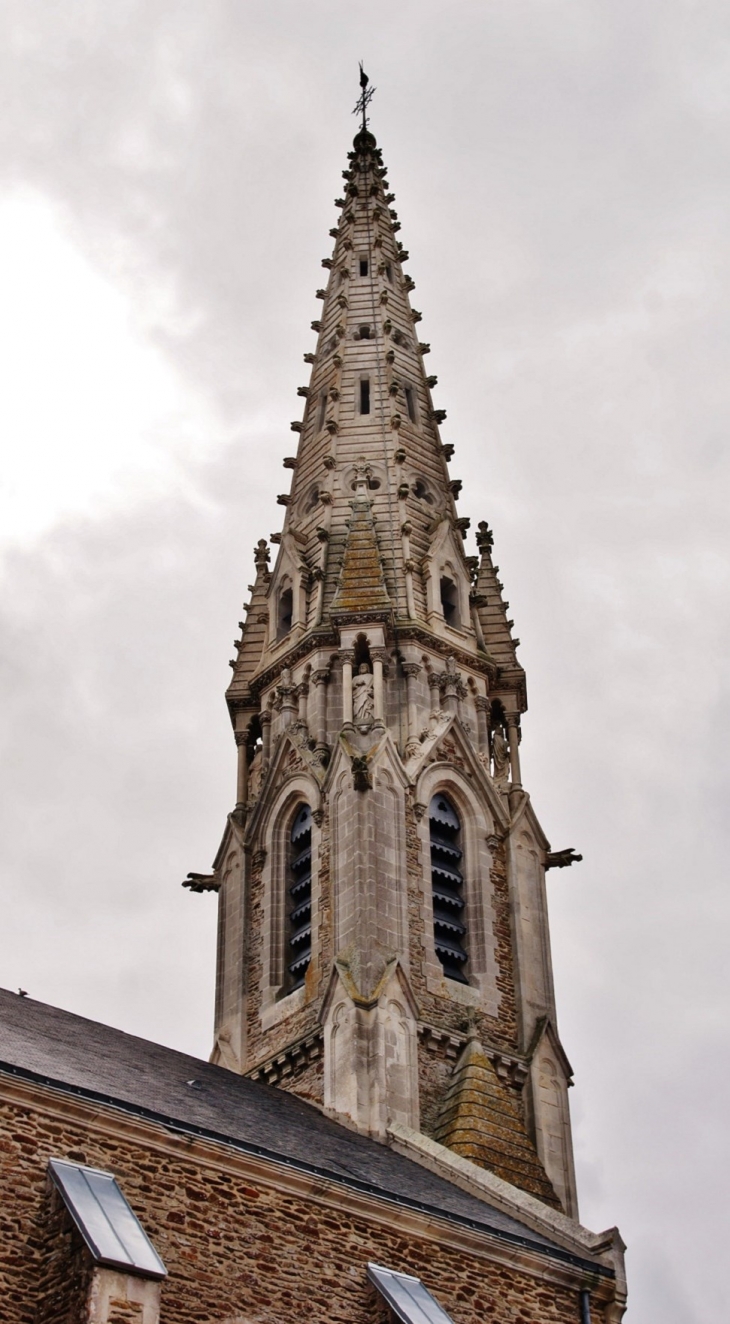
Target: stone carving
500,756
363,704
361,776
255,774
555,859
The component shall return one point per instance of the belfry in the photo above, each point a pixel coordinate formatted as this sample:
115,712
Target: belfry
383,940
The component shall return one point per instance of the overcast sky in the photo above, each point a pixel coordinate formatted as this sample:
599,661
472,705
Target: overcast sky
561,170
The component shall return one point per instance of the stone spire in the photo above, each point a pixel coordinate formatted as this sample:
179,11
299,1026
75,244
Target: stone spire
369,400
381,878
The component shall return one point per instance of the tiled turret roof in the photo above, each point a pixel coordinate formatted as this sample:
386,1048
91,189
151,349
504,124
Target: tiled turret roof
480,1120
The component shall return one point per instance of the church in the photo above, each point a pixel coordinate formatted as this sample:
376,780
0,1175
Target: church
383,1130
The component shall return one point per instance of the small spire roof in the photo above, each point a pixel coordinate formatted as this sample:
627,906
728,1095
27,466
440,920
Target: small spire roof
361,587
254,628
481,1121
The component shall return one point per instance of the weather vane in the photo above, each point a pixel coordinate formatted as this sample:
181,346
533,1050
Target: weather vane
365,97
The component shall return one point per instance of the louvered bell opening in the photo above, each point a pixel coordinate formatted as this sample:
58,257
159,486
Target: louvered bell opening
447,883
300,898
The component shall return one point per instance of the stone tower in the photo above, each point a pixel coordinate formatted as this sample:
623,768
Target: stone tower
383,944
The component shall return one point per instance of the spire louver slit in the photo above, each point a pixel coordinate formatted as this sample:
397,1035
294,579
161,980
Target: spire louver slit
300,897
446,886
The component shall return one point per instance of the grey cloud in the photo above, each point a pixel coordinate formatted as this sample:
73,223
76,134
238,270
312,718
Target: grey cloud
562,178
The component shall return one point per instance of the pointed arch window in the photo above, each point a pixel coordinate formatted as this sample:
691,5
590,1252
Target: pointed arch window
450,601
285,610
299,899
447,884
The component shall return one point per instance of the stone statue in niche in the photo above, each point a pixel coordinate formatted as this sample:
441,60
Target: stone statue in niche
363,703
500,756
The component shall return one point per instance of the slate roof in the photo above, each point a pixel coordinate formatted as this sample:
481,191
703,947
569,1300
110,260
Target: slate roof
81,1056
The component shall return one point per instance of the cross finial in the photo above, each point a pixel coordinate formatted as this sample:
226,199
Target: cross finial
366,95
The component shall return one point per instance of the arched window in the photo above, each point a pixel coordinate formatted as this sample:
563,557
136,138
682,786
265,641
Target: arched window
450,601
285,612
299,900
447,884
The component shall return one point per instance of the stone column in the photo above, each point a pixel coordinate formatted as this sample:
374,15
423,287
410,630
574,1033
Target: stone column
318,577
265,720
434,686
482,707
513,733
406,530
319,680
302,691
286,694
477,600
347,657
380,658
242,774
450,682
411,671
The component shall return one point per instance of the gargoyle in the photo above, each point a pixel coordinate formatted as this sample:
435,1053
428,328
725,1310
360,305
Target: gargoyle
560,859
203,882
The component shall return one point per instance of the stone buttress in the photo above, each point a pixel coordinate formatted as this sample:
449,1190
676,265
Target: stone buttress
383,939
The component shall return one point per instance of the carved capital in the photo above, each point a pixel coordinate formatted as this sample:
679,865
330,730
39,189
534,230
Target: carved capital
411,669
481,703
419,810
347,655
320,677
265,717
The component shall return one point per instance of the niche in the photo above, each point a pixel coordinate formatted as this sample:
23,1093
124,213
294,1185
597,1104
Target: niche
362,653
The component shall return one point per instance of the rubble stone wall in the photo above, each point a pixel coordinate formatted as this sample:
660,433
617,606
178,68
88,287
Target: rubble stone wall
241,1250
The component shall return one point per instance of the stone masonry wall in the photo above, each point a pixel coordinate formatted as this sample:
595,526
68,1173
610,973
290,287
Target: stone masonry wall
64,1265
239,1252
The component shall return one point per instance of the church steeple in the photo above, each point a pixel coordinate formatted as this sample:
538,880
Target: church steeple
381,879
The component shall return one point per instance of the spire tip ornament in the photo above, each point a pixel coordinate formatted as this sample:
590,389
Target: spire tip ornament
366,95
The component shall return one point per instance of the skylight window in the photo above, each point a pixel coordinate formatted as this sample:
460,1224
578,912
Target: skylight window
107,1223
409,1300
